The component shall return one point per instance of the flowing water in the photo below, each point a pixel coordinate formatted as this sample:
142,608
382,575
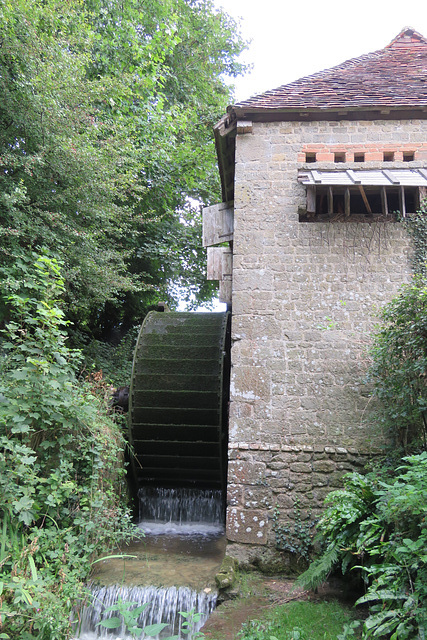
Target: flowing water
172,568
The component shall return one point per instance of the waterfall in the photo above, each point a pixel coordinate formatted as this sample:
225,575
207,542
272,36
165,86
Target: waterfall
164,606
169,515
180,511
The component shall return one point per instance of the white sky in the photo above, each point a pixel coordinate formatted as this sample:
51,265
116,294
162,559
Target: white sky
292,39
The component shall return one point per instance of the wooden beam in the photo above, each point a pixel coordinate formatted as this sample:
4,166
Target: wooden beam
353,176
347,202
389,175
311,198
384,203
402,201
330,201
244,126
365,199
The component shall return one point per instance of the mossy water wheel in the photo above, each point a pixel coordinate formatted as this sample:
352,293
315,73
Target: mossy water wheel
179,399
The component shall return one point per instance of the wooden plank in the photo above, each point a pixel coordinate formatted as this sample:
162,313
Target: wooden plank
389,175
330,200
311,198
347,202
214,263
316,176
227,263
402,204
422,194
218,224
225,291
219,263
244,126
384,203
365,199
353,176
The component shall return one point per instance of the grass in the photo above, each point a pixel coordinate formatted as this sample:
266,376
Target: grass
299,621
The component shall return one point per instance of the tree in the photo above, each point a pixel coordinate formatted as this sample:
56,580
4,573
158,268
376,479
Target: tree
105,137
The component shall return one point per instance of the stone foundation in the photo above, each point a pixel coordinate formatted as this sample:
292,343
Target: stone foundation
273,479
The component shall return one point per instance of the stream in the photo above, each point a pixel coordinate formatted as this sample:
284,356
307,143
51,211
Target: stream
172,568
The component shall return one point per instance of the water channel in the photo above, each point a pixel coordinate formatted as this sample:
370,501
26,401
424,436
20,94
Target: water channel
172,568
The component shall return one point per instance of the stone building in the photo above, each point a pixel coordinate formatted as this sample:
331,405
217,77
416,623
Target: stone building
312,176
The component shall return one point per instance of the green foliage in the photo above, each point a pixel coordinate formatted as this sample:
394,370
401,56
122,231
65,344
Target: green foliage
105,135
61,484
399,352
416,226
129,613
378,530
191,618
296,538
399,363
298,621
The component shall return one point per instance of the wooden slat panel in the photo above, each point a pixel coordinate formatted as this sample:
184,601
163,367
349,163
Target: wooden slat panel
218,224
225,291
219,263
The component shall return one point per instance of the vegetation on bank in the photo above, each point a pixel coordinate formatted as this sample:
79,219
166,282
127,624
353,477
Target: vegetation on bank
300,621
106,152
62,483
375,529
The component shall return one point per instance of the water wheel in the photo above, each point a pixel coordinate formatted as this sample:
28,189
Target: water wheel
179,400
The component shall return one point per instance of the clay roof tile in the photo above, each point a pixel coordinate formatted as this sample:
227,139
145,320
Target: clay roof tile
395,76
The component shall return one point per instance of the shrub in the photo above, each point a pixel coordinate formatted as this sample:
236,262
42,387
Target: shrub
378,529
61,472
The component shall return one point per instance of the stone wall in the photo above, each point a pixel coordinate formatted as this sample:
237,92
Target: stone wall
304,302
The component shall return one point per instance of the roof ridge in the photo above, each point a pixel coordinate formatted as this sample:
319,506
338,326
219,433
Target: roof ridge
407,37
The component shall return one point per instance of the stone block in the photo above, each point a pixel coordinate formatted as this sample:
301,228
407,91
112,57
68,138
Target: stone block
324,466
246,472
248,526
301,467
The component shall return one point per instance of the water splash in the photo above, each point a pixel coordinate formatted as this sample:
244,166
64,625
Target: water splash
165,605
180,511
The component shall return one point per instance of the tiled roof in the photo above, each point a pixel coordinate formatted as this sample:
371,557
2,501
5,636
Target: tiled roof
395,76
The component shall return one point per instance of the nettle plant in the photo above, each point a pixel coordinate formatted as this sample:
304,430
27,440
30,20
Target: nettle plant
60,474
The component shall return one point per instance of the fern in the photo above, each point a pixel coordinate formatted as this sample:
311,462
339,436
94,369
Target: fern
319,570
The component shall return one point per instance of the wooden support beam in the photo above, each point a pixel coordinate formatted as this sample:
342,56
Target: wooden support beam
353,176
384,203
402,204
311,198
365,199
330,201
347,202
244,126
